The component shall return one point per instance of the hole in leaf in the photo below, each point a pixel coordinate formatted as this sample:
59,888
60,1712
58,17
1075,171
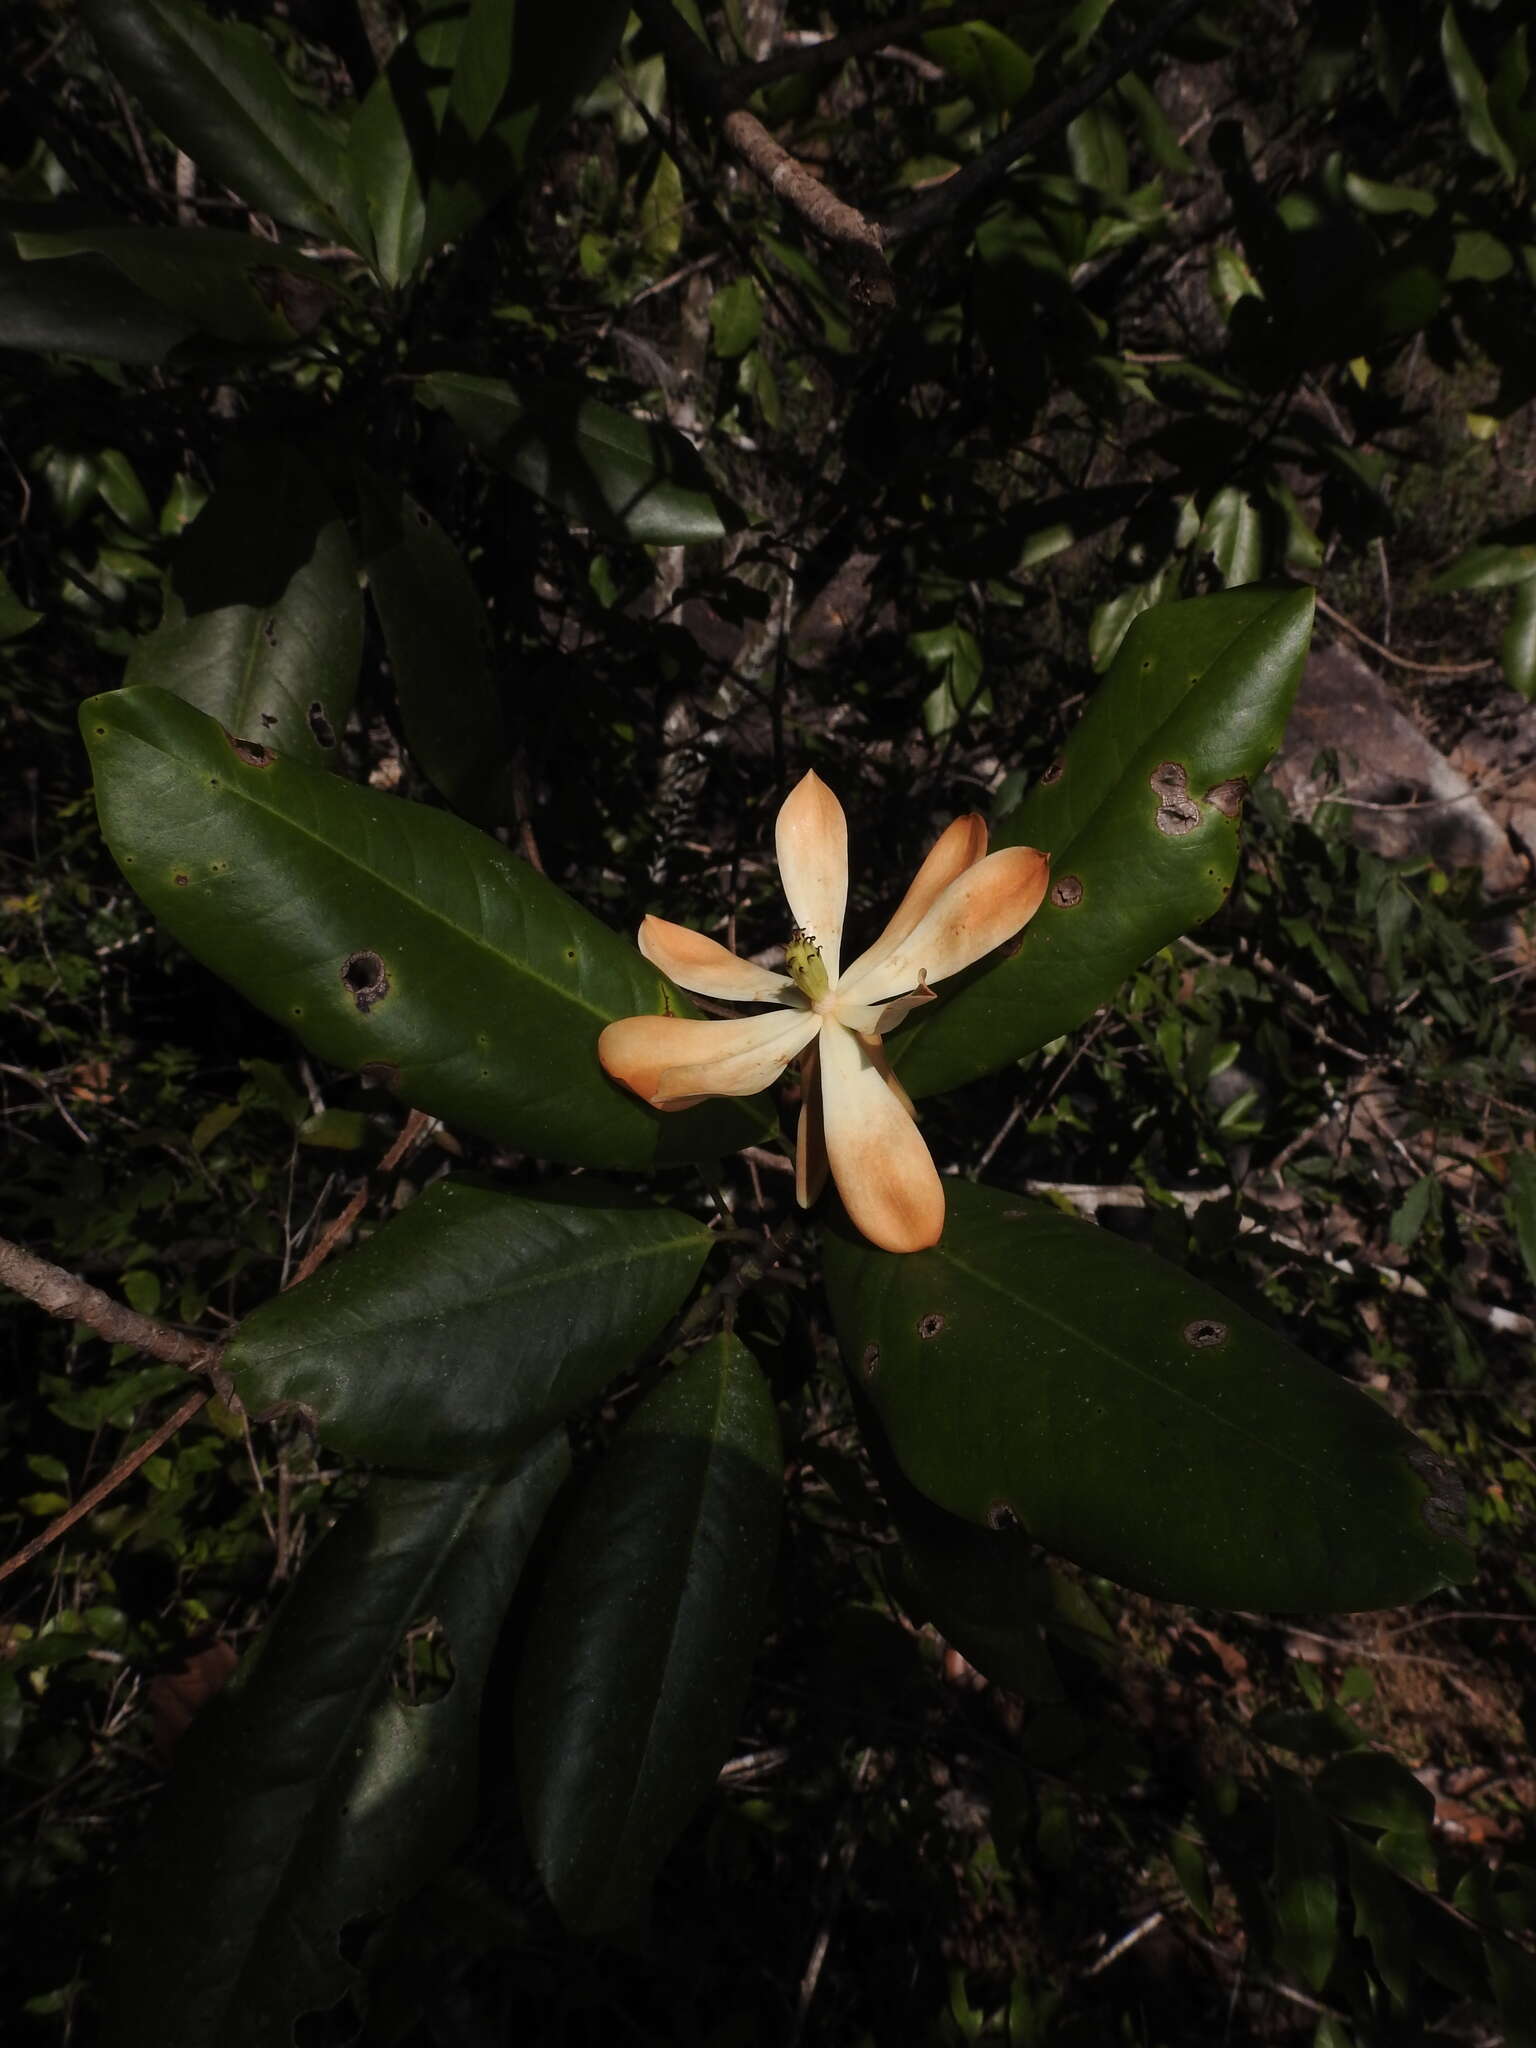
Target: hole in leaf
1204,1333
268,718
181,881
1053,774
320,725
1228,796
423,1668
930,1325
252,751
364,978
870,1362
1067,893
269,631
1000,1516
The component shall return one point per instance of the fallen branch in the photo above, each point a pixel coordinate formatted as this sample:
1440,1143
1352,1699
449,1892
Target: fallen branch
702,80
940,201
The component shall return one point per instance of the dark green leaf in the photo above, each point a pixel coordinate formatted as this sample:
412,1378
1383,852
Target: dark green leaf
1033,1369
390,937
1140,823
1306,1890
15,617
1096,146
216,90
263,625
990,66
1489,566
1308,1731
1370,1786
642,1643
1232,534
1383,1915
233,287
1411,1214
736,317
438,637
627,478
1471,90
468,1325
83,306
309,1794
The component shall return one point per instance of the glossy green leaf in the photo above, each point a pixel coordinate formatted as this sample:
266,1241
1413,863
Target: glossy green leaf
468,1325
1232,534
641,1645
1157,133
1510,102
1035,1369
83,306
1140,821
1306,1888
1491,565
1096,147
236,288
1517,648
393,141
438,636
216,90
626,478
1471,90
310,1794
389,937
263,624
661,212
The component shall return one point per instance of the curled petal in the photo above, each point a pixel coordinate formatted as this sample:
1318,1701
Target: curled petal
664,1058
810,1135
812,839
706,967
981,908
889,1183
958,847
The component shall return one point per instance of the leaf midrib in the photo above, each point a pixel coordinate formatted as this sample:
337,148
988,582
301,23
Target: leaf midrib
340,854
1043,1314
618,1255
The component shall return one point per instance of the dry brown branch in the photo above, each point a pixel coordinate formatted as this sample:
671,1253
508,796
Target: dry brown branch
62,1294
1422,668
123,1469
940,202
702,82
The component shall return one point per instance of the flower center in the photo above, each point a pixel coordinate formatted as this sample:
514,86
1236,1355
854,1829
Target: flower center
805,966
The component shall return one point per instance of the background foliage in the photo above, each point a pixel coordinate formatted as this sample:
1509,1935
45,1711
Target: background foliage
335,367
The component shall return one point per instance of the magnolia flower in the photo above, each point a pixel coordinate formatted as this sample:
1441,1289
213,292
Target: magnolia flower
855,1118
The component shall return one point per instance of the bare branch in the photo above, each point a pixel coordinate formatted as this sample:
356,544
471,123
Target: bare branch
703,82
943,200
62,1294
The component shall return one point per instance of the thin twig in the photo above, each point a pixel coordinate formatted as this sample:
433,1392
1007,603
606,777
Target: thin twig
1422,668
941,201
124,1469
822,53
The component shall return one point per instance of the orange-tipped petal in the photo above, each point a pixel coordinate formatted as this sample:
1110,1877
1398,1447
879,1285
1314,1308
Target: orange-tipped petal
958,847
717,1056
989,903
877,1053
754,1064
884,1173
810,1135
707,967
812,839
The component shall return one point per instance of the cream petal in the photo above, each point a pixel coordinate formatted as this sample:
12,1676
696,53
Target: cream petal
706,967
958,847
873,1020
755,1062
717,1055
812,840
810,1135
979,910
884,1173
877,1053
